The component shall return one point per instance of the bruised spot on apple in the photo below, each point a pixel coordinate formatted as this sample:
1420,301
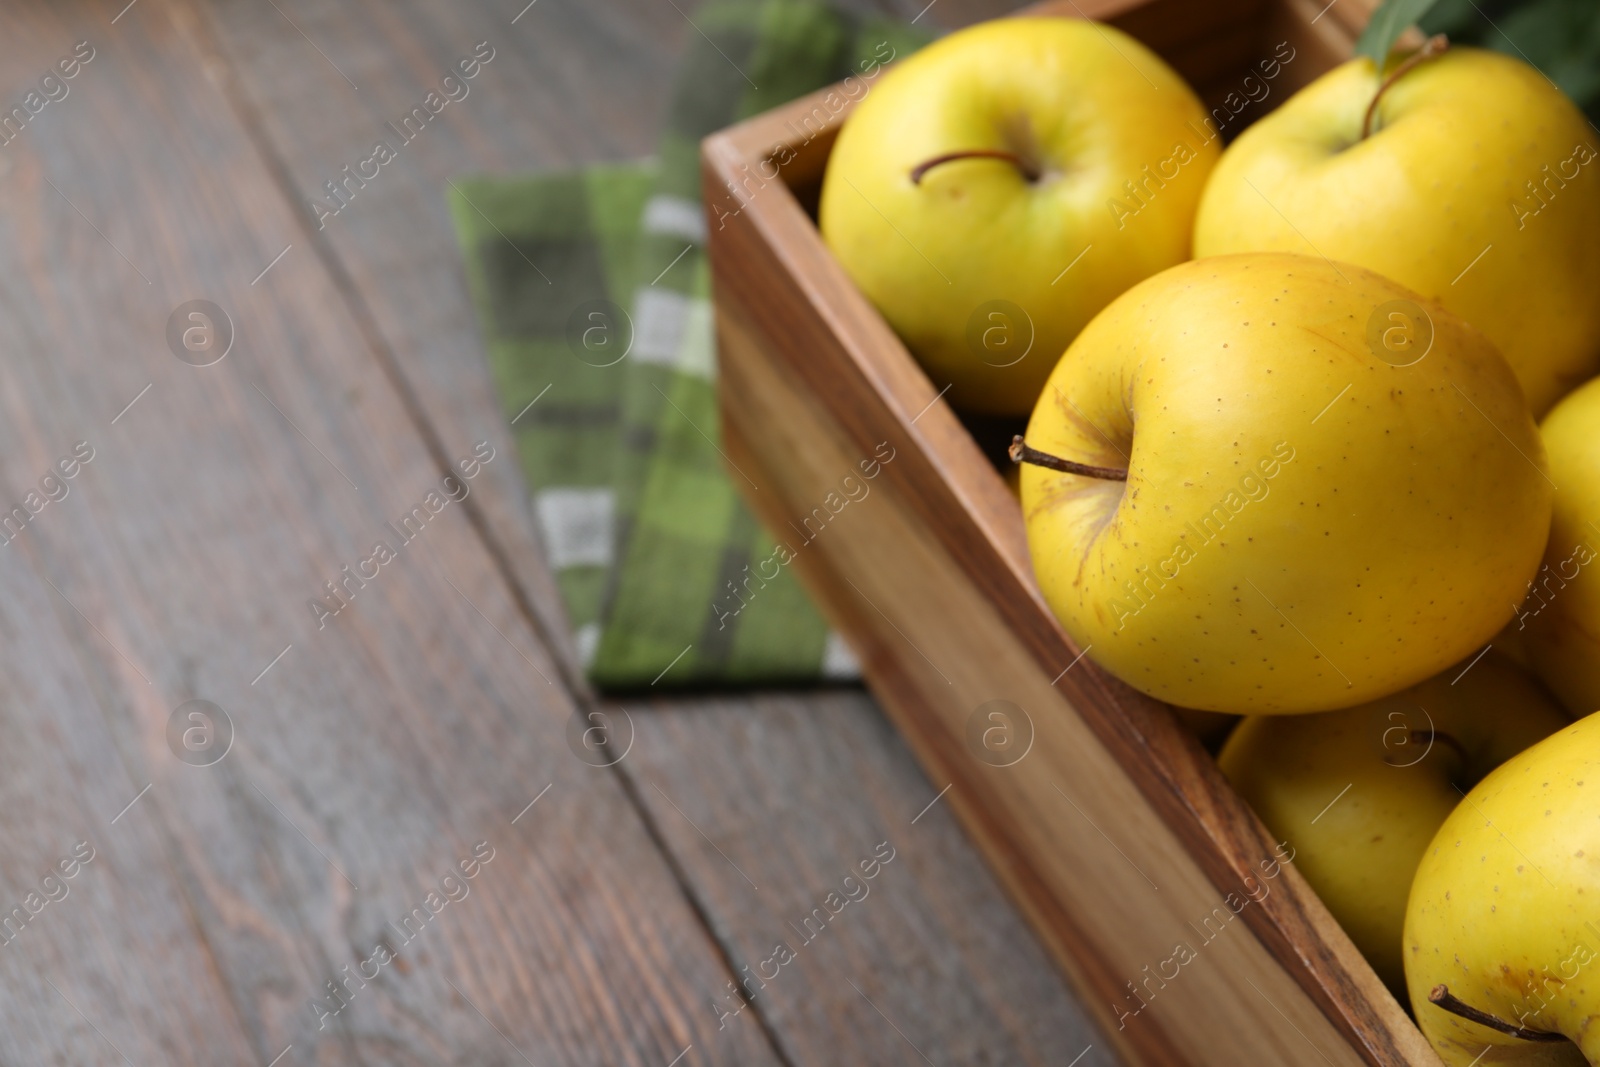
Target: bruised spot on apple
1304,526
1361,792
1044,162
1462,149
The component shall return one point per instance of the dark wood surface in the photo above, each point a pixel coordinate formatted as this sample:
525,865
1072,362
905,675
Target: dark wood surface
377,751
930,961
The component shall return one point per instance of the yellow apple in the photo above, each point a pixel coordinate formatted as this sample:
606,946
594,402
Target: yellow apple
1478,187
1309,520
1559,623
1081,157
1504,915
1361,792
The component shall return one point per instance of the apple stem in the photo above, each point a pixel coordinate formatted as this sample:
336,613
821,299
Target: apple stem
1433,46
1443,998
1015,160
1447,740
1022,452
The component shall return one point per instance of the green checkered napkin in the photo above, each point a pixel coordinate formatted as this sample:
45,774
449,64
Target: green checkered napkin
655,553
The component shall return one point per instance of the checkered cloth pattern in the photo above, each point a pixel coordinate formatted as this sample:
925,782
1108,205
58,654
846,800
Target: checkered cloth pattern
593,293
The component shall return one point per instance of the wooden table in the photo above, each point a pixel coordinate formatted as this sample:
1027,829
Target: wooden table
296,892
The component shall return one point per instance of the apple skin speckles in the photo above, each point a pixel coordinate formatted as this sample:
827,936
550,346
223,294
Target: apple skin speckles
1252,475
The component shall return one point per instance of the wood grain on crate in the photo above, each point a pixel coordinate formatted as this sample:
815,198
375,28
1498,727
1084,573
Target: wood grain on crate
1117,834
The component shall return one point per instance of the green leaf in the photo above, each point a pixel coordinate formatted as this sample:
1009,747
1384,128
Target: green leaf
1460,20
1391,19
1560,37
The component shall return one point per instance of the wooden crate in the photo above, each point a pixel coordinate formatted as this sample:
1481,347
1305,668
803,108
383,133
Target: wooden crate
1115,832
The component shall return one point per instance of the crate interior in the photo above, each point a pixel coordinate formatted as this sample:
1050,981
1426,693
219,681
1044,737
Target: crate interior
1216,47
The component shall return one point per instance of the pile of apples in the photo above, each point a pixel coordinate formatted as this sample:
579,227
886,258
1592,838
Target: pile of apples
1319,453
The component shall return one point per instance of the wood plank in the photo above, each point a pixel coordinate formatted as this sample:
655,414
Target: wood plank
927,958
381,747
90,977
985,969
